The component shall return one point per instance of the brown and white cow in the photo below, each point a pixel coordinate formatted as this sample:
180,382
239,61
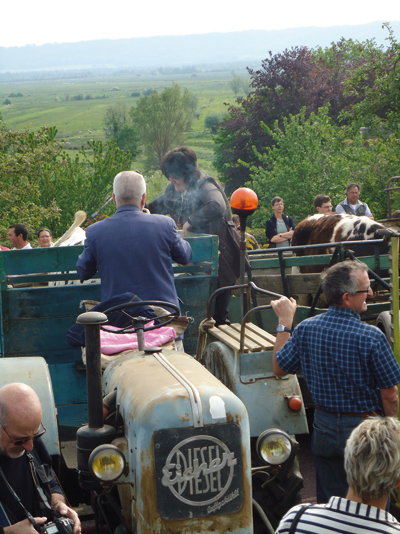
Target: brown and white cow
334,228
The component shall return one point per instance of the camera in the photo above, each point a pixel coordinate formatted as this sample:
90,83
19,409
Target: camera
62,525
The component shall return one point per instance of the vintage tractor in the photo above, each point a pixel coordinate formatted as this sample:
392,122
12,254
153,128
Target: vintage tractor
172,450
189,447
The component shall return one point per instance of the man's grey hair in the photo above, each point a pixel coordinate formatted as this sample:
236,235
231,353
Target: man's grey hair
341,279
129,188
372,457
353,184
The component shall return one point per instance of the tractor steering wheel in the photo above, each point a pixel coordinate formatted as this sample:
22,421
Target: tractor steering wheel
140,322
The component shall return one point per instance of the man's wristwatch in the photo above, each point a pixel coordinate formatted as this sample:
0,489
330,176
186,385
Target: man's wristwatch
282,328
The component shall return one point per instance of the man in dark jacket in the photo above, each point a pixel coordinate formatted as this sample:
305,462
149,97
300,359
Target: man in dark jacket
23,456
279,228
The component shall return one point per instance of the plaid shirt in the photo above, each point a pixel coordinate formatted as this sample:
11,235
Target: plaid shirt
345,362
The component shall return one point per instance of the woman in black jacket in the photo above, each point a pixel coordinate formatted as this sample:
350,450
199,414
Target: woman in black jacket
279,228
198,204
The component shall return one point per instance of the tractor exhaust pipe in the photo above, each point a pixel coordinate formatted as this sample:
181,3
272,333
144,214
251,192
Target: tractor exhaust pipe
95,433
91,322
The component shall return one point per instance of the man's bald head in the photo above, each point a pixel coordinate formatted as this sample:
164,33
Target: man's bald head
19,402
129,188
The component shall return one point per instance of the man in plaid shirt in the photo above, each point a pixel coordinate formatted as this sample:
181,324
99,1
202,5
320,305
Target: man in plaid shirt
348,366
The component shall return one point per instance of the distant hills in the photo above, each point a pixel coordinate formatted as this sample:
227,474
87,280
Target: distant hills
243,48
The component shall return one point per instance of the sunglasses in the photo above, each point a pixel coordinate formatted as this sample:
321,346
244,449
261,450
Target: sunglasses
25,440
361,291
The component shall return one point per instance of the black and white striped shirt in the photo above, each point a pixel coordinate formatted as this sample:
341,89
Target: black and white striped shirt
340,516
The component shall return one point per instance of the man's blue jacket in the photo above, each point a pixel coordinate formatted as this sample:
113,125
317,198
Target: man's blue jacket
132,251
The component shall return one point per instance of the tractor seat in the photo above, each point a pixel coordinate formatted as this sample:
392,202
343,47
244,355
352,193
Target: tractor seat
255,338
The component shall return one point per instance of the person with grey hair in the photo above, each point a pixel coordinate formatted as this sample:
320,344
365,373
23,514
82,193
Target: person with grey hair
351,204
132,250
24,489
348,366
372,466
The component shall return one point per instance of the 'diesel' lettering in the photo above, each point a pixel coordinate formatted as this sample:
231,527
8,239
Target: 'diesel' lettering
186,471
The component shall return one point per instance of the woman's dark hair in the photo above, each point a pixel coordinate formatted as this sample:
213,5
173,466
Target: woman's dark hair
275,200
181,162
44,230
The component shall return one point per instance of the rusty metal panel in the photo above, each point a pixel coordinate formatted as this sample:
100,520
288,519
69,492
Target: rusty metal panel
264,395
152,399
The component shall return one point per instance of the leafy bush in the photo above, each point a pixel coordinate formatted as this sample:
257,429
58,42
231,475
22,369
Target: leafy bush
212,120
314,155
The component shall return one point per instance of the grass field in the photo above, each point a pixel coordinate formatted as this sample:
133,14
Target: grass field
78,121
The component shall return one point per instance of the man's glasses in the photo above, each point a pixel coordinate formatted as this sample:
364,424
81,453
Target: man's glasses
25,440
361,291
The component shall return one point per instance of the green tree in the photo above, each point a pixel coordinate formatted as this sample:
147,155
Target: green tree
236,83
376,84
27,158
41,185
246,86
161,119
119,127
285,83
194,103
314,155
83,182
212,120
116,116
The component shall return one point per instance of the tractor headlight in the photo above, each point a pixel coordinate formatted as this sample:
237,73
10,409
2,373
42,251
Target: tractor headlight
274,446
107,462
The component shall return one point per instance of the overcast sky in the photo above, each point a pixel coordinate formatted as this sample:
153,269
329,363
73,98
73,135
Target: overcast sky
48,21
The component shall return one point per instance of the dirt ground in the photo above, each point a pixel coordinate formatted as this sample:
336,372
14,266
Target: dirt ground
307,469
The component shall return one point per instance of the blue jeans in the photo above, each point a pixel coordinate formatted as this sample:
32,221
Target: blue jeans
331,431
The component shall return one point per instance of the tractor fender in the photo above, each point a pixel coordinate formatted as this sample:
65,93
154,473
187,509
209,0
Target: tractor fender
34,372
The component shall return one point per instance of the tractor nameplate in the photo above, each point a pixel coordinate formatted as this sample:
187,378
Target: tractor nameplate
198,471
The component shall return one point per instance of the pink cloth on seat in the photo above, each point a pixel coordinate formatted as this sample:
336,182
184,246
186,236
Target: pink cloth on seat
113,343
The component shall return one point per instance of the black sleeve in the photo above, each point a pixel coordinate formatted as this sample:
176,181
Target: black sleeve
213,206
165,204
291,223
269,230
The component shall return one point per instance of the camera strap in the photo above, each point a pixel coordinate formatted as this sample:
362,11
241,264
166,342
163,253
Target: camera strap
44,504
28,515
297,517
4,519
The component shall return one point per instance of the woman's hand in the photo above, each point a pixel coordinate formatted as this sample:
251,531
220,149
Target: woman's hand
185,229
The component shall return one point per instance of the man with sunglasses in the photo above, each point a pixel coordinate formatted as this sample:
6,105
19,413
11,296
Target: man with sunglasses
25,465
348,366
